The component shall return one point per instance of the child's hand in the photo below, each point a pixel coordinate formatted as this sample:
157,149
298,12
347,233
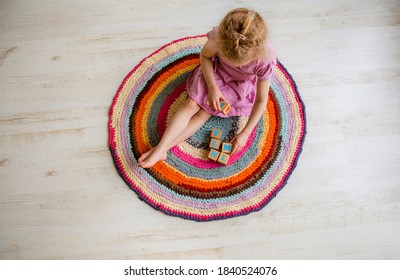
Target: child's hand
214,98
239,141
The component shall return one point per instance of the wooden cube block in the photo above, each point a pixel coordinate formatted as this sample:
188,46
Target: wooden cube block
216,133
223,158
222,104
226,148
215,143
213,155
225,107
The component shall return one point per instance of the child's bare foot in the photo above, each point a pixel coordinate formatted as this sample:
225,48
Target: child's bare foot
145,156
151,157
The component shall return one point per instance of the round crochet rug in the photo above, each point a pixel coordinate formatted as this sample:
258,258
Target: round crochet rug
187,184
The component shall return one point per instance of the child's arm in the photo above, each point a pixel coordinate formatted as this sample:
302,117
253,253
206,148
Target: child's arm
259,107
214,93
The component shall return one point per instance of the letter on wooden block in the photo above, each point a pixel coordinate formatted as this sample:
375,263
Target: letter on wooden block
226,148
223,158
222,104
213,155
216,133
215,143
225,107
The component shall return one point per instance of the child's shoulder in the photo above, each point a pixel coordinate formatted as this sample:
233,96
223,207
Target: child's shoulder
267,54
212,36
266,62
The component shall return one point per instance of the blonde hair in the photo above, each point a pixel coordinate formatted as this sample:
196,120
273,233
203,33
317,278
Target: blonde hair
242,35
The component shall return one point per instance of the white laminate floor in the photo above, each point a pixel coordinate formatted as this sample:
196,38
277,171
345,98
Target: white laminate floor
61,63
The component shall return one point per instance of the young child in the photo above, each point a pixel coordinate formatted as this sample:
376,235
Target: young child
236,65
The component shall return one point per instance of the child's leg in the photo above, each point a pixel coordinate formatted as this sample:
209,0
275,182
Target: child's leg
179,129
195,123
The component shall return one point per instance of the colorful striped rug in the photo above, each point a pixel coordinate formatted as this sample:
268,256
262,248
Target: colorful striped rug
187,184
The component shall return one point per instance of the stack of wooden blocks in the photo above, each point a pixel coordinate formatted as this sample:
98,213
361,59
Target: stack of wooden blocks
219,151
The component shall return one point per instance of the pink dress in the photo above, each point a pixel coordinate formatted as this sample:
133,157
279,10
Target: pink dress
237,84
